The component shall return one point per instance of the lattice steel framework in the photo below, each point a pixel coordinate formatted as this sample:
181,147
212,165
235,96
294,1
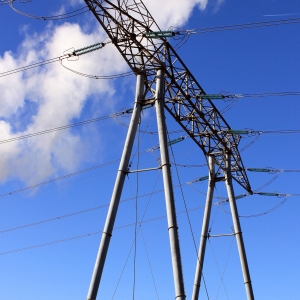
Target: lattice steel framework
128,24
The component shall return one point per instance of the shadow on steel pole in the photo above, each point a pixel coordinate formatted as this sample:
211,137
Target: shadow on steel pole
168,187
204,231
116,195
237,229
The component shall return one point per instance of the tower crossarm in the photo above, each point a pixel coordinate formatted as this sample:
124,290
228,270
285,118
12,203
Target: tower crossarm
128,24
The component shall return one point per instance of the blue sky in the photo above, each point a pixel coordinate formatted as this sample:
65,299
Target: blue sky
238,62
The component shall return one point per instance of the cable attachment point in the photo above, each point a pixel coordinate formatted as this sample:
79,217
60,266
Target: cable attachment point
69,54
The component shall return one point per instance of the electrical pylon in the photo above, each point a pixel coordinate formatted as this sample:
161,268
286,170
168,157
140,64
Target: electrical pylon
164,80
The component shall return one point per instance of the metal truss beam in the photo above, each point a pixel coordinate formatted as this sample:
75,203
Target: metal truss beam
127,23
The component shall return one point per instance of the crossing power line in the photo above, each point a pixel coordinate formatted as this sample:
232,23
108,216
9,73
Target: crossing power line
222,132
67,15
267,194
85,122
68,54
240,26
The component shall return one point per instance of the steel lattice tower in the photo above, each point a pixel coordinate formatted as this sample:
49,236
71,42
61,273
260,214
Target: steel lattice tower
164,80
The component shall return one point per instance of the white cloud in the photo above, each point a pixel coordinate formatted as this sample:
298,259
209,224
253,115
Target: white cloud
56,95
173,13
218,4
51,96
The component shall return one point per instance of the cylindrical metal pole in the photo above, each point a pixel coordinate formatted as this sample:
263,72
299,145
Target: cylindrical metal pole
116,195
204,231
168,187
237,229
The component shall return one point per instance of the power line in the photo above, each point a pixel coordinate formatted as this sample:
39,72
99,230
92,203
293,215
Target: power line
279,195
92,233
248,132
114,115
72,214
251,143
251,132
139,228
173,33
283,131
197,180
71,14
267,194
121,75
227,96
219,271
60,59
84,210
128,111
3,2
270,94
74,174
31,66
241,26
21,137
265,212
70,55
271,170
75,213
58,179
149,263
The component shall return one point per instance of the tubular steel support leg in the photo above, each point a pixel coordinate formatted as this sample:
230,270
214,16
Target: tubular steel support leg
204,232
169,195
237,229
116,195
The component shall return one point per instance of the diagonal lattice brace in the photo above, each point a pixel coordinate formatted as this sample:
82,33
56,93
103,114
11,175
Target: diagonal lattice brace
127,23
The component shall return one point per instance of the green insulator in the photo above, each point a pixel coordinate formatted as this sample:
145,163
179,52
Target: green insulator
80,49
147,106
200,179
89,49
258,170
212,96
231,131
159,34
130,110
86,51
175,141
82,53
237,197
203,178
268,194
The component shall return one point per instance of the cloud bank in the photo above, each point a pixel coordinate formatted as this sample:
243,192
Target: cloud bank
173,13
48,97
